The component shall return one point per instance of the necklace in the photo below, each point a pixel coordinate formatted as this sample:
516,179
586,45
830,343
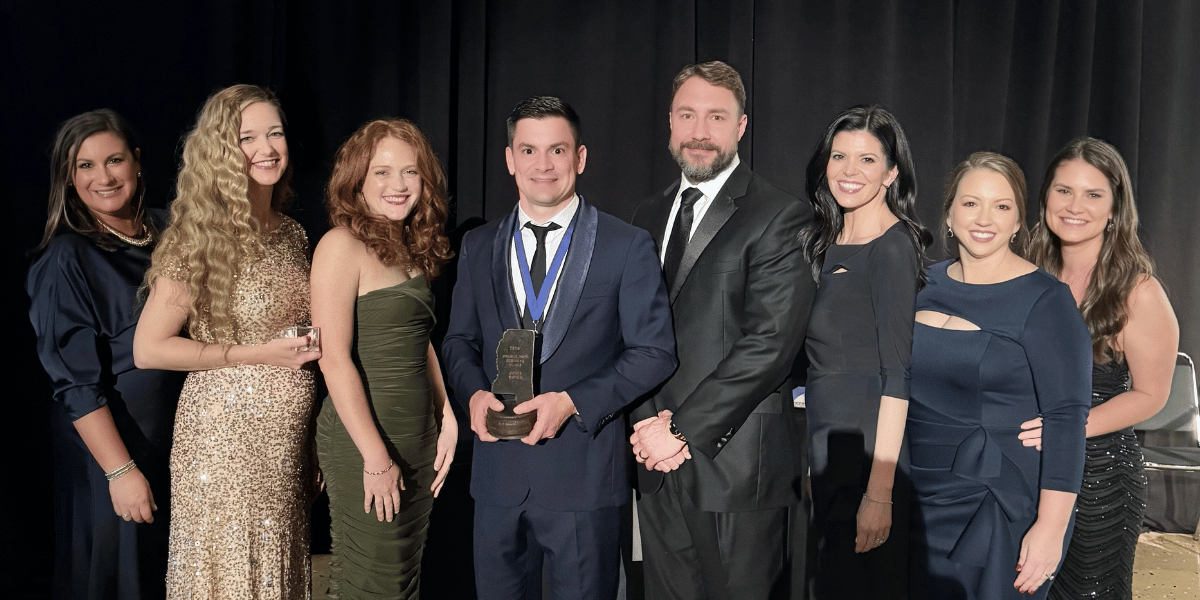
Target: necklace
145,238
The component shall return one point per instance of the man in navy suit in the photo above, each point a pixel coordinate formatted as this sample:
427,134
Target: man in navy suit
606,340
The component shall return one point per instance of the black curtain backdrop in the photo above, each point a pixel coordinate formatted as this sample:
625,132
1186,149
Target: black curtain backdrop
1019,77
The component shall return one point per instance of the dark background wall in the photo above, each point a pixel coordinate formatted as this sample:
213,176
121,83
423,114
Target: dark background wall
1018,77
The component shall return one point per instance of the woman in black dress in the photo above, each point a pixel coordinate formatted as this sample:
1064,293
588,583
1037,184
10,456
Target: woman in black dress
1087,236
866,248
111,422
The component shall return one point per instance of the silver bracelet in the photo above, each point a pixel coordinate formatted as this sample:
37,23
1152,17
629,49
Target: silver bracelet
874,500
391,463
121,470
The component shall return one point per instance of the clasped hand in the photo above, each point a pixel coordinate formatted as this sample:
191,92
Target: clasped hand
654,446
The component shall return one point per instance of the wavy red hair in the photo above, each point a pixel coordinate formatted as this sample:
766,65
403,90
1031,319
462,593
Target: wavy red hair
419,240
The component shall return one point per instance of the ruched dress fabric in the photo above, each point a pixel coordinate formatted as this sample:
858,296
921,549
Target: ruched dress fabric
1110,508
859,344
976,486
373,558
241,475
84,310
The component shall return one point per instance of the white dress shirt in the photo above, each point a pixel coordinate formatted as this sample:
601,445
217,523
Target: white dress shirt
709,189
553,239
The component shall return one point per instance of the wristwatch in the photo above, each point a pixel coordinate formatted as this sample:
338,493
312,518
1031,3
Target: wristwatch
675,432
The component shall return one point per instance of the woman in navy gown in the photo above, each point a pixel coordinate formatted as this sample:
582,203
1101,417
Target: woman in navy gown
997,342
1087,236
866,248
111,422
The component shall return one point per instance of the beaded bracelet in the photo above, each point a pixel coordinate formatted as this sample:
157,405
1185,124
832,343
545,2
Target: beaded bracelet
391,463
121,470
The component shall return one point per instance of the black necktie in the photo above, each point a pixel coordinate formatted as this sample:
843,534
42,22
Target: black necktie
680,232
537,267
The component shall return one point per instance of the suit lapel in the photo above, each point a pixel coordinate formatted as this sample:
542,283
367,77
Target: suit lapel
506,299
721,209
657,213
570,282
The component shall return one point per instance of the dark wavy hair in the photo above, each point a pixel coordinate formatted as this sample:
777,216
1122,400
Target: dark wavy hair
1006,168
901,196
65,207
420,240
1123,261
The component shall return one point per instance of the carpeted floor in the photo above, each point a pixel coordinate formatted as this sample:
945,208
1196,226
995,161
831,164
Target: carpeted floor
1167,568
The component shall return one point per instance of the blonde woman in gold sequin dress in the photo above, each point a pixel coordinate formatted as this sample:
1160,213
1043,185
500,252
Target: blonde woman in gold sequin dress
229,275
386,435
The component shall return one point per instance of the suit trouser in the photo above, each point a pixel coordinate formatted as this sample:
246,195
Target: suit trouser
693,554
580,551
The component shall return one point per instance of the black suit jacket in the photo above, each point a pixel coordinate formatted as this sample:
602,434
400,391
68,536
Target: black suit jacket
740,302
606,341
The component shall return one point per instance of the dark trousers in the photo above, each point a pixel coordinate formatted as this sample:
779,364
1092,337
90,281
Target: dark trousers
580,551
692,554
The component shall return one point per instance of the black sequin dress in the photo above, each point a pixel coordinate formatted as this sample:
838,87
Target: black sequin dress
1110,507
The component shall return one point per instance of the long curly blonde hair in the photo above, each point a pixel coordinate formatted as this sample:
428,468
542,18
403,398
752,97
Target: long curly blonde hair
212,227
420,240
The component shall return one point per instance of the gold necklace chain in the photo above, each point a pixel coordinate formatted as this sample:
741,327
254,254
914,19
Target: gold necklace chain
143,241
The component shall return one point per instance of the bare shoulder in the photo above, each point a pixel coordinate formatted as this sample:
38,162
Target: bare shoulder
1148,291
340,242
1149,297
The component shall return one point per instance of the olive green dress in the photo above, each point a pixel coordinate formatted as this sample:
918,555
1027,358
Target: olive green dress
373,558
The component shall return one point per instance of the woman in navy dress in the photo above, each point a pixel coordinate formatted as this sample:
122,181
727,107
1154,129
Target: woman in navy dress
1087,237
997,342
111,422
866,249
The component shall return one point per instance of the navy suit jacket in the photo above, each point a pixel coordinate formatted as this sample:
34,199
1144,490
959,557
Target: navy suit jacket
607,340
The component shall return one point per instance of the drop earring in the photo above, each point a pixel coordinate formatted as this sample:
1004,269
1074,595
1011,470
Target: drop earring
1109,226
949,231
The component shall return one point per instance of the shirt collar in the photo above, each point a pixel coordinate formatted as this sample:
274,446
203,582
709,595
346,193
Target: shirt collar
562,219
711,187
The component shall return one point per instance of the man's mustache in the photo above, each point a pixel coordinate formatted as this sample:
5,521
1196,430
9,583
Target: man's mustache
700,146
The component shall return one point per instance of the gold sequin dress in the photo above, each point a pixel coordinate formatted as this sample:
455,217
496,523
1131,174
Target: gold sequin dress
240,460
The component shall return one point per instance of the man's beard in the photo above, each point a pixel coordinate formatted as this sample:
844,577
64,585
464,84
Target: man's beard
700,174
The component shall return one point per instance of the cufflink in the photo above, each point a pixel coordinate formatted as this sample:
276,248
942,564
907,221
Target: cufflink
675,432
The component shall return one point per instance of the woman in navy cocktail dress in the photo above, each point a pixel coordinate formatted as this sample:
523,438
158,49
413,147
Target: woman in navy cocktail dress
997,342
109,418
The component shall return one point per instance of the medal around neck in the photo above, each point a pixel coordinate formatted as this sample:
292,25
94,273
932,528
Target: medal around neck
513,384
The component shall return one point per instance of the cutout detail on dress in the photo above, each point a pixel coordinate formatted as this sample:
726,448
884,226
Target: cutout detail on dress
940,320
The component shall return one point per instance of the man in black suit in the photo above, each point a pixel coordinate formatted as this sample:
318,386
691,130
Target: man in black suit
717,439
593,289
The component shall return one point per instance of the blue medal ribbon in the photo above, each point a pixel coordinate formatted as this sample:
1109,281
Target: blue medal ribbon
537,302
